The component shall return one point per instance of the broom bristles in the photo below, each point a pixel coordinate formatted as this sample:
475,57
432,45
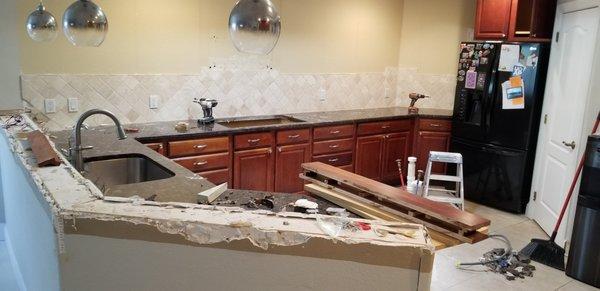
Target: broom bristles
545,252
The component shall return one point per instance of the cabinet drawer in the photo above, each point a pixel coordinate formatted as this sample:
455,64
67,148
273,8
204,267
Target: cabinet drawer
435,125
335,160
384,127
333,132
198,146
204,163
293,136
333,146
253,140
157,147
217,176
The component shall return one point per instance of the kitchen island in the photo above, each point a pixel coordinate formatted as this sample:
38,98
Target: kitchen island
120,238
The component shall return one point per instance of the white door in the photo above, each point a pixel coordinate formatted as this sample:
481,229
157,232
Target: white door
567,91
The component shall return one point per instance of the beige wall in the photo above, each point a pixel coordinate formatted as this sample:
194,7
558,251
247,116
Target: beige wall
10,96
158,36
432,31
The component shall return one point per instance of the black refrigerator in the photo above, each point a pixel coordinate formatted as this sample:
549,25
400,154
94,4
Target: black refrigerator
499,96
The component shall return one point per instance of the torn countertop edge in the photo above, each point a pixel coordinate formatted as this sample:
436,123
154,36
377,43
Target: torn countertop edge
70,196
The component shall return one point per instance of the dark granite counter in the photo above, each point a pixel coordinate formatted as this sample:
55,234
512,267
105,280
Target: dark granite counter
184,186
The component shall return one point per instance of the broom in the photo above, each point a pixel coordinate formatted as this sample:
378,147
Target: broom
547,252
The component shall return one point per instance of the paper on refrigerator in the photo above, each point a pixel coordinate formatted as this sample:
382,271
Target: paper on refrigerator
513,94
509,57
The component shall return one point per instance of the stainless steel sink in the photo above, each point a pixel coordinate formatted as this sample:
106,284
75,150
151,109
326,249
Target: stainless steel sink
121,170
258,121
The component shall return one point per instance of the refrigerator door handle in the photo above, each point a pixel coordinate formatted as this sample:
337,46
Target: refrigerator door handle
491,94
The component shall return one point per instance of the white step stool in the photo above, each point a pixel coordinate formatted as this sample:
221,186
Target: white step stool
455,197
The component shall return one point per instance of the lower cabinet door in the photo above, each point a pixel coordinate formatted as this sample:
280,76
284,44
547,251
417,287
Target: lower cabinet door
288,166
253,169
395,146
369,156
432,141
216,177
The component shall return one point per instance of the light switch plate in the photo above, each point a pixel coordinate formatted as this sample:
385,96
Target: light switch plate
153,101
323,95
387,93
73,104
50,105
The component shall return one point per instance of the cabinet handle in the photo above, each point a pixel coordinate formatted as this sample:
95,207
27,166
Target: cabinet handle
334,146
201,163
435,125
572,144
504,35
385,127
334,132
200,146
386,136
160,147
270,151
254,140
294,136
333,160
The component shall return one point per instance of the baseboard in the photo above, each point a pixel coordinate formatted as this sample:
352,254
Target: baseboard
13,260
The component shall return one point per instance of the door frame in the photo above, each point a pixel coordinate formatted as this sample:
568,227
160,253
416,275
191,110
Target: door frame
590,115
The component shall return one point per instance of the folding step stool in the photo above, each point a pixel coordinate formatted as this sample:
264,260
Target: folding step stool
455,197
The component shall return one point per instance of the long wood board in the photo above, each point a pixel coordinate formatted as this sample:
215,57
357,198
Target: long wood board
396,196
441,218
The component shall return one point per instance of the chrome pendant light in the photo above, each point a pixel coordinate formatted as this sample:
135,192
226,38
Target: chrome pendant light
254,26
85,24
41,25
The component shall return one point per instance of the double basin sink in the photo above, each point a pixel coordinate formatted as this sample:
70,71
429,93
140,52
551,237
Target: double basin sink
109,171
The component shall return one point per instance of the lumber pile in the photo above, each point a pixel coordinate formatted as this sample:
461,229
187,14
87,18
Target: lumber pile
371,199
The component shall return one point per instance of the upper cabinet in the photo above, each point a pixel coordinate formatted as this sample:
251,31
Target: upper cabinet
493,18
515,20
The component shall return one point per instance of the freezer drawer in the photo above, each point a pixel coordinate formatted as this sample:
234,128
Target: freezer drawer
494,176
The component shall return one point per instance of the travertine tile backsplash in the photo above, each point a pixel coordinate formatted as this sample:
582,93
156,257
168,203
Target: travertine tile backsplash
240,92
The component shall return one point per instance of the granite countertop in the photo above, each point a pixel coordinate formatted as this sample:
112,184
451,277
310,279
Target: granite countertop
185,185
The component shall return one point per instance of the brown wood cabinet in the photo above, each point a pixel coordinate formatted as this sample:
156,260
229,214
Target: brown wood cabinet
431,141
376,156
271,161
369,157
493,19
254,169
288,166
157,147
515,20
383,144
431,135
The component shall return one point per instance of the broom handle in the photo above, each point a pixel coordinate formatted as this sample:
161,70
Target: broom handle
572,188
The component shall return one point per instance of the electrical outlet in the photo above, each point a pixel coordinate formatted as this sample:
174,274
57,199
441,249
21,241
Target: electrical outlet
323,95
50,105
153,101
73,104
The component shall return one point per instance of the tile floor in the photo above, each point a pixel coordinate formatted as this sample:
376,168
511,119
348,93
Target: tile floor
8,280
519,229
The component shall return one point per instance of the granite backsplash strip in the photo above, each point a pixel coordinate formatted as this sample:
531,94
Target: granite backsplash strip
240,92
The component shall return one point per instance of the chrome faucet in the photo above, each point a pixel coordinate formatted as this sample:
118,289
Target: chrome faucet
76,150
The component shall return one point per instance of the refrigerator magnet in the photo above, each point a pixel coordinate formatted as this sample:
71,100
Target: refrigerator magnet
481,78
471,80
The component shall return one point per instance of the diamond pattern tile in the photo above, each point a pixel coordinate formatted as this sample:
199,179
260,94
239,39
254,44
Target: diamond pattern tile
243,87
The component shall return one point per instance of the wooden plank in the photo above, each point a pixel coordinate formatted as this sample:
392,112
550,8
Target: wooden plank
42,150
472,237
442,211
439,241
